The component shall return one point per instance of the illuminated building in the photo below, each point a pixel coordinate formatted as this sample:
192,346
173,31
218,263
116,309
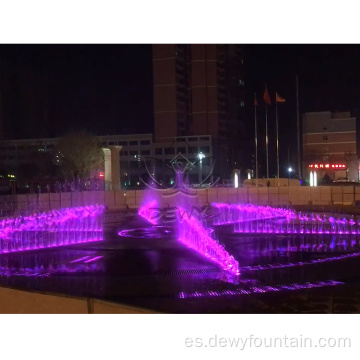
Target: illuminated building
135,150
329,146
199,90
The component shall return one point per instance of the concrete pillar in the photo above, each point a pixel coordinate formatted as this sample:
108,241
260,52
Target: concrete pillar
115,167
112,167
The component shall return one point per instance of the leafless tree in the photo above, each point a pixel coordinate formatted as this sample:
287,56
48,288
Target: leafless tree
79,154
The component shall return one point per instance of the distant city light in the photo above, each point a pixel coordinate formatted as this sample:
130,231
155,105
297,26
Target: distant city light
101,174
236,180
327,166
201,156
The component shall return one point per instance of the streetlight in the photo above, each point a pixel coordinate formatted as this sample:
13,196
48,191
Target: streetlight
200,157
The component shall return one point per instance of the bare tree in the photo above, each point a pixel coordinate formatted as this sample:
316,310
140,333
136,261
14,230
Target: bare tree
79,154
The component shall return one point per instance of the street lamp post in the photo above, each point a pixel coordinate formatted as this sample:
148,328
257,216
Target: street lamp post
201,157
290,170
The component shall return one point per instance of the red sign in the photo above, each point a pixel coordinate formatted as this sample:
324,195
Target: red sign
327,166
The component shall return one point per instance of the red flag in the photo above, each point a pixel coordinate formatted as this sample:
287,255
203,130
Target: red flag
267,97
279,99
255,101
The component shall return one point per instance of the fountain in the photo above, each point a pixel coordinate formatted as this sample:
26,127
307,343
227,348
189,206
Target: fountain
51,229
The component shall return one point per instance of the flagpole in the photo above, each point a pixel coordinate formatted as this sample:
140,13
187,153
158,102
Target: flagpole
256,147
298,125
277,141
266,143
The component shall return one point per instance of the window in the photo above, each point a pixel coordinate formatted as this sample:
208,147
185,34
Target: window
204,139
145,152
242,103
181,150
241,83
133,143
325,127
124,153
325,137
133,152
145,142
158,151
123,143
205,149
170,151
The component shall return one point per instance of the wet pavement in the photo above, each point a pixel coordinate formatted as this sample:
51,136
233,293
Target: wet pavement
147,267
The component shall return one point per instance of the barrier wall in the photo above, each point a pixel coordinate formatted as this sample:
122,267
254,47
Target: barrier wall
14,301
275,196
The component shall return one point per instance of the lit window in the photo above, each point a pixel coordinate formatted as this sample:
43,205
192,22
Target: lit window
242,103
241,83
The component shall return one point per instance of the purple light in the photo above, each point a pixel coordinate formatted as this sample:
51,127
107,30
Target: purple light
80,259
145,211
52,229
258,289
192,234
93,259
300,263
267,220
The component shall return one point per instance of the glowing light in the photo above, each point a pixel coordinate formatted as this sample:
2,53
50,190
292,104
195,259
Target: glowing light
146,211
258,289
315,178
193,235
52,229
300,263
236,180
311,178
327,166
201,156
101,174
246,213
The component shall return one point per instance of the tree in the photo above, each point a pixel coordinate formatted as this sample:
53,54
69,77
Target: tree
78,154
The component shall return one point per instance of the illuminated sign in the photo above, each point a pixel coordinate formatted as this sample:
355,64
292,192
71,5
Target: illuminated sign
327,166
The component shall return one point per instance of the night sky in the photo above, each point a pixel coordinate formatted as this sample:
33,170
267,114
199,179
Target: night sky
107,89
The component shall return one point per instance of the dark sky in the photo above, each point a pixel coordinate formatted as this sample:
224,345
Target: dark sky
107,89
329,80
104,89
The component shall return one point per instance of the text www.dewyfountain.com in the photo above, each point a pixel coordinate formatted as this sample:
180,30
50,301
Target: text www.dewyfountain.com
252,341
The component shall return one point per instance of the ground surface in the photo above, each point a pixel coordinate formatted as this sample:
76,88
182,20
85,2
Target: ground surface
152,270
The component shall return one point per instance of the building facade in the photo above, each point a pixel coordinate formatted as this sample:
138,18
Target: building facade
199,89
329,147
139,154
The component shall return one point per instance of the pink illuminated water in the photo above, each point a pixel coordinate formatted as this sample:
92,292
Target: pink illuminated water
50,229
146,211
258,289
192,234
268,220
